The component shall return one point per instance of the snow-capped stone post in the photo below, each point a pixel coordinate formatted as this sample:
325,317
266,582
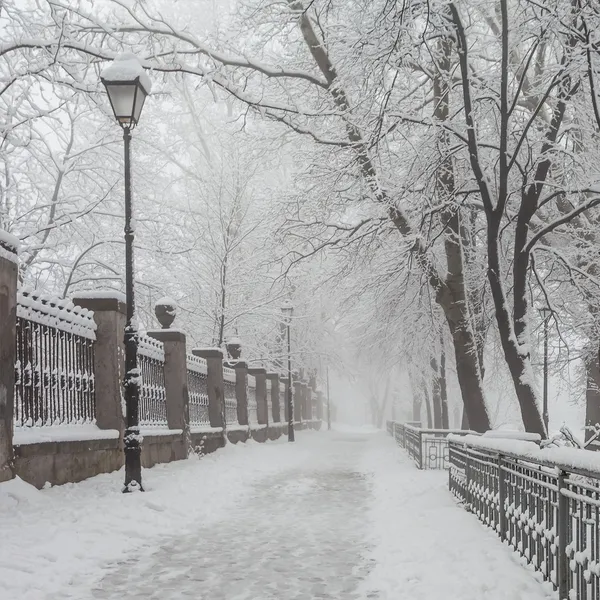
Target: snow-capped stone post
175,368
109,355
284,383
262,405
241,389
275,406
214,384
9,269
298,400
308,400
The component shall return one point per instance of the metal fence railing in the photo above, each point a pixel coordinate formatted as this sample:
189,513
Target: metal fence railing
548,511
54,366
427,447
229,378
252,404
197,373
153,398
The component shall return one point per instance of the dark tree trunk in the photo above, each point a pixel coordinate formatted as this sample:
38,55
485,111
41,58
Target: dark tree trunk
444,388
436,392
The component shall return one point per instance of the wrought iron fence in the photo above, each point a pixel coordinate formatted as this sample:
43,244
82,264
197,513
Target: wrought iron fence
548,512
54,366
427,447
153,398
197,373
229,377
252,404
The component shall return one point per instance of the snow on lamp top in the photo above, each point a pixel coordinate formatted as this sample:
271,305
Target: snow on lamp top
127,85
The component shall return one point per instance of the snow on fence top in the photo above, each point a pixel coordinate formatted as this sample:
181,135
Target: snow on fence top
229,374
9,246
55,312
151,348
197,364
569,459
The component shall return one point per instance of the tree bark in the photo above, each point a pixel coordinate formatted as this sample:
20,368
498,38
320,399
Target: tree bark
450,291
444,387
436,393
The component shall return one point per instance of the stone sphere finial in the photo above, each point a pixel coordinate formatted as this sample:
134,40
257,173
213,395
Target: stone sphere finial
165,310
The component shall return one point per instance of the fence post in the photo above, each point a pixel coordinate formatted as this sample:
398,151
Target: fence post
562,561
214,384
176,383
275,405
501,500
298,401
467,480
9,269
109,357
420,449
241,389
262,406
308,399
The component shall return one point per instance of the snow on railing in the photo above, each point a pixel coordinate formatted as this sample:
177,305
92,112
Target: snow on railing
153,397
197,373
544,503
252,403
54,366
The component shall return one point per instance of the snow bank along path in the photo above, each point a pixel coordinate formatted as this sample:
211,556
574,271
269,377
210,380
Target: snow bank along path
334,516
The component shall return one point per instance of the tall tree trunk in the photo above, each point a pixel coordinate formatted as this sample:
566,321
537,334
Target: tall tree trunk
436,393
450,291
427,401
444,387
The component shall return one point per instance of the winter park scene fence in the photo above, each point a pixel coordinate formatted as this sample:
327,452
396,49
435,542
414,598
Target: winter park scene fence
300,300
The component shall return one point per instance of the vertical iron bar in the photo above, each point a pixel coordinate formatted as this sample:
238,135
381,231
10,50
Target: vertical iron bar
545,407
563,527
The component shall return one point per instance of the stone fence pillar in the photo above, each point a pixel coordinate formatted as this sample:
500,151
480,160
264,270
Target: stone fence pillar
284,394
262,406
320,406
275,396
308,402
9,269
214,384
109,358
176,383
241,389
298,400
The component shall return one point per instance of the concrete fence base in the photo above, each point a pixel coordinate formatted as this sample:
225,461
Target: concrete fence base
72,461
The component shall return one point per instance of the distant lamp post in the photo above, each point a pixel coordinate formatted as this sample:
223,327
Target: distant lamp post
127,86
287,309
546,314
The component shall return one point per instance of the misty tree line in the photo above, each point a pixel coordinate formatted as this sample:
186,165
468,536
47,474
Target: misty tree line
421,177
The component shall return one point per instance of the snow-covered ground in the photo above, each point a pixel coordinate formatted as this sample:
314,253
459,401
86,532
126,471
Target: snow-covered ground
338,515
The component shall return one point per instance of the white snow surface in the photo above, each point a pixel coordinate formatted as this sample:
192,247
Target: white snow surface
8,239
62,433
337,515
102,294
126,67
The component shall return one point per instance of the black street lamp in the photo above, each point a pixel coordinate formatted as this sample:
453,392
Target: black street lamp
288,310
546,314
127,85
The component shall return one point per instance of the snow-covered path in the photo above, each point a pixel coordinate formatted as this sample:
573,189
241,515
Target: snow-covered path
338,515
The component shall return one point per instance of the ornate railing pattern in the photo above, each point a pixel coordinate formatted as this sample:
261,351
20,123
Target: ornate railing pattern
197,373
427,447
54,366
252,404
548,512
231,417
153,400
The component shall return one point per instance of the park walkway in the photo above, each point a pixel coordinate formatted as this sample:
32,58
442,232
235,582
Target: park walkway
338,515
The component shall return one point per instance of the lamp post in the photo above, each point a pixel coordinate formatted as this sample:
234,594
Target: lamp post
288,310
127,86
546,314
